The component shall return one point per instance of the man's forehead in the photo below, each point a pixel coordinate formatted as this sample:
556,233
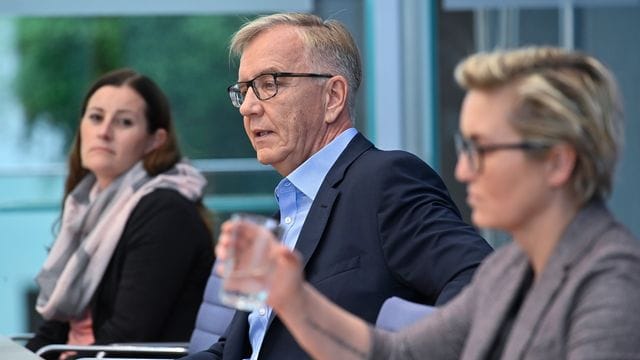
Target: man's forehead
269,51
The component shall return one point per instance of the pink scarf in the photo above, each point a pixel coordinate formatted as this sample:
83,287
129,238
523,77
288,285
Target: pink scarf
90,231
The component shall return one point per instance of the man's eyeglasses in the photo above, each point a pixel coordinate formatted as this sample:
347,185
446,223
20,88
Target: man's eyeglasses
475,152
265,86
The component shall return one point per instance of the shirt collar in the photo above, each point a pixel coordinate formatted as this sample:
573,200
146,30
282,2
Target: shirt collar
309,176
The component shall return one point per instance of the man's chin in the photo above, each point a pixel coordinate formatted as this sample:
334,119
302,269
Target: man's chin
264,158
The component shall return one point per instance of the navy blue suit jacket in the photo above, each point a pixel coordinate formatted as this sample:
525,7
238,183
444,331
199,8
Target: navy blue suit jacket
381,225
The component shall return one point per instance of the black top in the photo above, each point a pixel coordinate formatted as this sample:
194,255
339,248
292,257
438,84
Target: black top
153,285
505,329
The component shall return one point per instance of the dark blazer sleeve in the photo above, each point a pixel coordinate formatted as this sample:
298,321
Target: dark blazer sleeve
154,283
426,243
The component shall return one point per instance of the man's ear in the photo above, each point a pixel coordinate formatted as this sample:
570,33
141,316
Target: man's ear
336,97
158,139
561,161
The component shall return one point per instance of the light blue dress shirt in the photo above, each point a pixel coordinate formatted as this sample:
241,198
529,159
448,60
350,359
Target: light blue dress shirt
294,195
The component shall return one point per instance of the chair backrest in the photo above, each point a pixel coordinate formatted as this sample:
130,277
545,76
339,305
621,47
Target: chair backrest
213,316
397,313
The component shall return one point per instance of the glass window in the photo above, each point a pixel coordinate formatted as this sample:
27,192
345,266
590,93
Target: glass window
604,29
48,64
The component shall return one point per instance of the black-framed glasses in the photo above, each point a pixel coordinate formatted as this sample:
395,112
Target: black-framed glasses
265,86
475,152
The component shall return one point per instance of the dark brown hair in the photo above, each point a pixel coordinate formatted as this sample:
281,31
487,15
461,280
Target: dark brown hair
158,115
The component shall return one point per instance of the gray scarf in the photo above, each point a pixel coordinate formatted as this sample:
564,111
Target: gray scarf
90,231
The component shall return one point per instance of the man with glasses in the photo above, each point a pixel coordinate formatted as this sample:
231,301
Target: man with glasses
368,224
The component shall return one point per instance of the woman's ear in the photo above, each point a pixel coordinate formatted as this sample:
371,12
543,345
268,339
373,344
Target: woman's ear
157,140
560,163
336,97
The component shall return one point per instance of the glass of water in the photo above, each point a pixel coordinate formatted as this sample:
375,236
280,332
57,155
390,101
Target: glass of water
247,262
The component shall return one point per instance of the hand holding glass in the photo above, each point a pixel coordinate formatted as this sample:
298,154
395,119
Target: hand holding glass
247,241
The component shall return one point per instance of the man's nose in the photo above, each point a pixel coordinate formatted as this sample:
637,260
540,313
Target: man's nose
251,103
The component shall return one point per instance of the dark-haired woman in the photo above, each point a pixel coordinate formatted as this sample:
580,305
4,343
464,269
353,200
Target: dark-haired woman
134,249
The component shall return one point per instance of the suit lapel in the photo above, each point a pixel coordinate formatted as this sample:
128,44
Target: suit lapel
315,223
237,344
493,310
329,191
320,211
579,237
541,295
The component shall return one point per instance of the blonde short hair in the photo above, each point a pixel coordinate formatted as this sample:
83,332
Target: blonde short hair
328,46
563,97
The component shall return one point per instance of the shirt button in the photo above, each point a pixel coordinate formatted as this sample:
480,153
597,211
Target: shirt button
287,220
262,311
287,183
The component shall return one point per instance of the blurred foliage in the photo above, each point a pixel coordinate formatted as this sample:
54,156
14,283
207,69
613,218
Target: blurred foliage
187,56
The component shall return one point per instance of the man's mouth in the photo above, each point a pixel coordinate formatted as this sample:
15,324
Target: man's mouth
263,133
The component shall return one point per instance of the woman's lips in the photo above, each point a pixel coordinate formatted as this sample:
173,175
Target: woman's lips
102,149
